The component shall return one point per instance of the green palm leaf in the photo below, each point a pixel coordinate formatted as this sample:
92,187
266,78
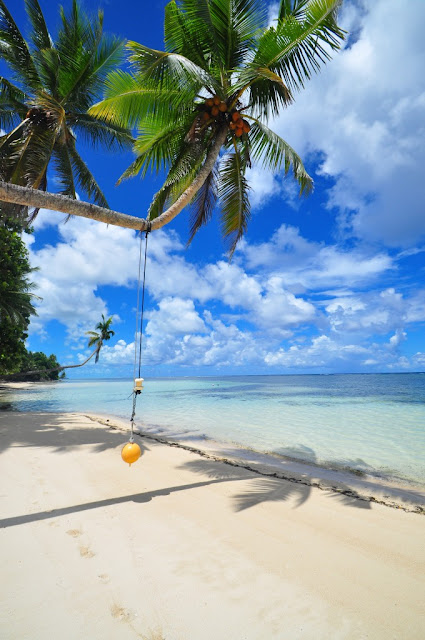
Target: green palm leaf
274,153
58,81
298,45
168,69
40,34
64,170
203,205
233,191
85,178
236,24
128,100
12,104
100,132
14,50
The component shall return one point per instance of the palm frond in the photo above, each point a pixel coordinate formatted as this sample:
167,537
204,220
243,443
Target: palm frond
12,104
39,35
157,146
168,69
85,178
274,153
89,83
31,156
127,100
299,45
233,191
100,132
202,206
77,42
181,173
64,171
236,24
186,35
292,8
48,65
267,91
14,50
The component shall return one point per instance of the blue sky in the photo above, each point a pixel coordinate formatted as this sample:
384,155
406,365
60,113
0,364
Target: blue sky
329,283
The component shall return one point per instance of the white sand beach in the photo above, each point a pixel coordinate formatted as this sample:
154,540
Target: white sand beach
182,547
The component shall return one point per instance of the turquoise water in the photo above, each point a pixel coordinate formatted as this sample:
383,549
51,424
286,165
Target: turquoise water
373,423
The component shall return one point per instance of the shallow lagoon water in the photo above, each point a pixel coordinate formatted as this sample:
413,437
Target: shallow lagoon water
373,423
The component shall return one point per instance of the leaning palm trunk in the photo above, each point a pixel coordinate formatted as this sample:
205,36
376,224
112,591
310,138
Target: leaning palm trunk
60,368
55,202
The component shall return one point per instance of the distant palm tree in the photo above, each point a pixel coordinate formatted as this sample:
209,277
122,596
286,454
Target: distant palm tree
102,335
224,71
47,99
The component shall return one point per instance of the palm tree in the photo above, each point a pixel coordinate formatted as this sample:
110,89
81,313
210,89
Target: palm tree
215,50
201,106
46,102
102,335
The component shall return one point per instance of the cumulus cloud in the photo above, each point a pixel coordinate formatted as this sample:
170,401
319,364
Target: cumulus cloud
254,311
364,115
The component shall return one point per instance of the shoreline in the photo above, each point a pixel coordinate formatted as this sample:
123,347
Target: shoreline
372,486
181,546
406,496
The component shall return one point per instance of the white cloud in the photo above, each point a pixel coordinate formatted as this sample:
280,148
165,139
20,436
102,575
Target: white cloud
311,265
365,114
88,255
220,314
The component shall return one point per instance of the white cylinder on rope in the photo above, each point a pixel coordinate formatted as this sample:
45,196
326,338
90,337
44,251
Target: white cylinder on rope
138,384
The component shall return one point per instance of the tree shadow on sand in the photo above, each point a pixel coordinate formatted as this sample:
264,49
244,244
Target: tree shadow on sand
266,487
47,430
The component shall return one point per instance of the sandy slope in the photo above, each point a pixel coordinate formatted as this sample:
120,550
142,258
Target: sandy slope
180,547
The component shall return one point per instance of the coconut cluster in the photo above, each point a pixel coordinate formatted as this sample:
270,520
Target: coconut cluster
215,108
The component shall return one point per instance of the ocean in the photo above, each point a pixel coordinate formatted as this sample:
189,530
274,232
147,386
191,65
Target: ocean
371,423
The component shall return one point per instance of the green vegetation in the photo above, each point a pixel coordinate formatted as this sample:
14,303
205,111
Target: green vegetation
15,299
224,71
100,336
45,102
16,307
37,367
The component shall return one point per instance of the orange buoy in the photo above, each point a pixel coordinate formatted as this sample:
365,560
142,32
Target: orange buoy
130,452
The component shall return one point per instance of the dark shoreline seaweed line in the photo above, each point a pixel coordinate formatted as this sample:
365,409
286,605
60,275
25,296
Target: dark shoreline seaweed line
304,481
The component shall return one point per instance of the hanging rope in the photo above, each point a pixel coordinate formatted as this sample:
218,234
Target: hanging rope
138,343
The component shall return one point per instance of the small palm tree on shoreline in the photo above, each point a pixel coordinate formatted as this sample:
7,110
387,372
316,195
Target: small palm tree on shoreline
103,334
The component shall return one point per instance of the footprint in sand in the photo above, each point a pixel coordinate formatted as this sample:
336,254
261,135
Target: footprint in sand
86,552
103,577
74,533
119,613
